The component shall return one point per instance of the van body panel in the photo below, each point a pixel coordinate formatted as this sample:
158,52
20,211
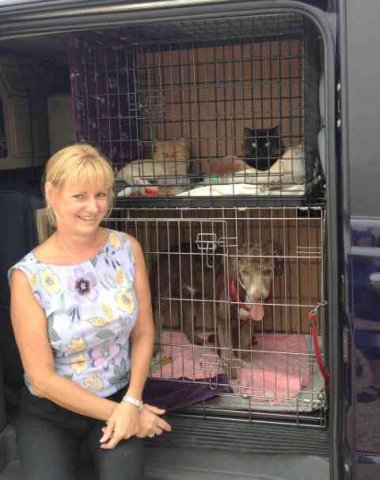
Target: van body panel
360,166
365,288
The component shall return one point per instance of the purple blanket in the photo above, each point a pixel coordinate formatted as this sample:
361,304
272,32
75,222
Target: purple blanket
172,395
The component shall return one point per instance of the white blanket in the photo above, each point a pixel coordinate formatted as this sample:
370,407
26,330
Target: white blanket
243,189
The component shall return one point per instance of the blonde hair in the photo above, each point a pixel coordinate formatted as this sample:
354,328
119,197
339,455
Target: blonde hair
79,163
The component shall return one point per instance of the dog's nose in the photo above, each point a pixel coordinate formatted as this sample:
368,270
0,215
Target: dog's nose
258,295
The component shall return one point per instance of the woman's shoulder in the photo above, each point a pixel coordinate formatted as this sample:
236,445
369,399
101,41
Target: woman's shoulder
31,263
118,239
126,242
27,265
48,254
43,251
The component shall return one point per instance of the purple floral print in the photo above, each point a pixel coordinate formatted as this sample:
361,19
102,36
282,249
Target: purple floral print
83,284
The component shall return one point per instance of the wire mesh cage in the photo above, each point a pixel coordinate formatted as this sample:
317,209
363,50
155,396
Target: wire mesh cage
224,109
226,115
231,293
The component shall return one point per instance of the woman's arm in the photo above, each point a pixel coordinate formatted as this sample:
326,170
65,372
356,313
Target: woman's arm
125,417
143,332
30,328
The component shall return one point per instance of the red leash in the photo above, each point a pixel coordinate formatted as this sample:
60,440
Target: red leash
312,317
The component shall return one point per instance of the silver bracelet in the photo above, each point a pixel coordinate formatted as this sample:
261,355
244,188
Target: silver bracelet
133,401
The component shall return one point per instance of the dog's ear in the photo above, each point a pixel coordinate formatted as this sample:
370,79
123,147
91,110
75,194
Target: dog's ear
274,249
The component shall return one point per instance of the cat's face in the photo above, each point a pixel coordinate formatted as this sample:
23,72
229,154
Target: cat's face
165,150
262,147
174,155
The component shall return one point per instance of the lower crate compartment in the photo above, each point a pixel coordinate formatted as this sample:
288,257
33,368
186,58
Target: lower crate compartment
232,291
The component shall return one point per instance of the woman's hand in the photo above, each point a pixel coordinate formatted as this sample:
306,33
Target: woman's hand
123,424
150,422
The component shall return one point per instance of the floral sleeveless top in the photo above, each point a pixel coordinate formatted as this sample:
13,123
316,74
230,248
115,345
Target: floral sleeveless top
91,309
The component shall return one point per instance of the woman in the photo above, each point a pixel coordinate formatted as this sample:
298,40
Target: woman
78,301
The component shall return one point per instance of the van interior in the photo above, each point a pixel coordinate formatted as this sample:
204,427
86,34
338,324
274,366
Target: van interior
216,132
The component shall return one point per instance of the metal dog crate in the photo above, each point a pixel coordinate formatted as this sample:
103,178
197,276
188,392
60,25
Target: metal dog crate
185,110
223,95
278,375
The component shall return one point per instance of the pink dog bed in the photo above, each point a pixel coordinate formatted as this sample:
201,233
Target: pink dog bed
280,365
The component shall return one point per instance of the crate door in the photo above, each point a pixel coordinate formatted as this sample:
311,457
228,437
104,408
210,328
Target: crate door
187,261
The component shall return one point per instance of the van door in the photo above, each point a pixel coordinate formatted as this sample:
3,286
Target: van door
360,42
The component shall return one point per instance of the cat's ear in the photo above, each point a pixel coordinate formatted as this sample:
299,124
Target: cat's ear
275,130
248,132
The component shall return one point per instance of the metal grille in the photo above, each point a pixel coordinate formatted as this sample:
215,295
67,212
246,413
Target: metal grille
231,291
201,109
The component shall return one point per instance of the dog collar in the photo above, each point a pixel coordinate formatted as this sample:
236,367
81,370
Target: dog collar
233,292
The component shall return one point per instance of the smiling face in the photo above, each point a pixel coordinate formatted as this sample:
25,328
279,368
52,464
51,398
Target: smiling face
78,188
78,207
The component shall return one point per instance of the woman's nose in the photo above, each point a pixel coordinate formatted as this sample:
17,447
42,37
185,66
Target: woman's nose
92,205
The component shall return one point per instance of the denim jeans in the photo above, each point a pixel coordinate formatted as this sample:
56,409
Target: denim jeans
51,439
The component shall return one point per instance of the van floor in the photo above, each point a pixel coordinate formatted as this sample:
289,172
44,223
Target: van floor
217,449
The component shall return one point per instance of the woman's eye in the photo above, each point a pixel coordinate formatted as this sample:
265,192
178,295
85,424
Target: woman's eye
101,195
79,196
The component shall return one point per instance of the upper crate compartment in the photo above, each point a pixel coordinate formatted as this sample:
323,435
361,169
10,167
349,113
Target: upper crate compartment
226,111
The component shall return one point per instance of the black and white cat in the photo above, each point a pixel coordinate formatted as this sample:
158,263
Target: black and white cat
262,147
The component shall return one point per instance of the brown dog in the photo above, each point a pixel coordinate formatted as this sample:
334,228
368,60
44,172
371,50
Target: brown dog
237,284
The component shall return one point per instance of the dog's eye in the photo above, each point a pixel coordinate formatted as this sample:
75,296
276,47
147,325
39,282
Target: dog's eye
267,272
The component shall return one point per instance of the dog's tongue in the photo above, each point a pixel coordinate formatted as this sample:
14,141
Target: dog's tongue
257,313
